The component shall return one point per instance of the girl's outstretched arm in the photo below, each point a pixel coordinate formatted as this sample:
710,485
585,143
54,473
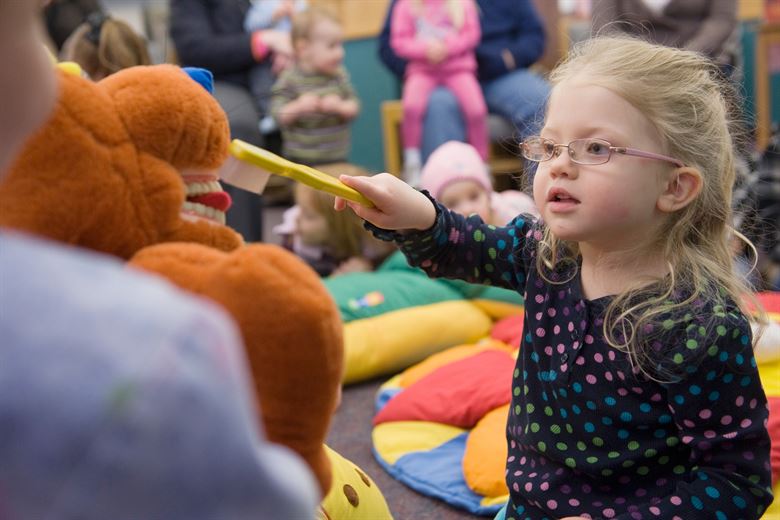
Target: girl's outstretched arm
397,206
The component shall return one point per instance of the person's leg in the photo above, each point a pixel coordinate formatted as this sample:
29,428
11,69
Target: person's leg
246,213
261,80
467,91
417,90
443,121
519,96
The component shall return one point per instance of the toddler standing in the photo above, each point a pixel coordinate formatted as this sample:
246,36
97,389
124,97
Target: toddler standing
262,15
636,393
438,37
456,176
313,101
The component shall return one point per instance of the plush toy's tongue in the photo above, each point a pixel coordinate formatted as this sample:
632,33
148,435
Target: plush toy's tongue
217,199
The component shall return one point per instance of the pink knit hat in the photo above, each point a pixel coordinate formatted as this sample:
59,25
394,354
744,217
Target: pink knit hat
450,162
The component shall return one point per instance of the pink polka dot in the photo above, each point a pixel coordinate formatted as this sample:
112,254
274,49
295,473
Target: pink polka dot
544,486
580,360
598,357
540,332
745,423
528,486
552,504
523,459
608,376
570,326
591,379
608,513
675,500
574,502
622,392
551,312
538,316
710,434
655,510
588,339
688,423
557,329
655,398
560,348
548,350
516,487
564,368
729,435
511,458
539,298
687,439
611,355
740,400
705,414
753,404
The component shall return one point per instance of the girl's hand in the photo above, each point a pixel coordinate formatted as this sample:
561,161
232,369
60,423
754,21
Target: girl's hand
436,52
397,206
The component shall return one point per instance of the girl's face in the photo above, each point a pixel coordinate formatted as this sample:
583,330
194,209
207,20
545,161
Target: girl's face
312,225
610,206
467,197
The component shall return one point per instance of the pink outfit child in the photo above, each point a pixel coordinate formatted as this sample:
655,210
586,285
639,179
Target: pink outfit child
415,24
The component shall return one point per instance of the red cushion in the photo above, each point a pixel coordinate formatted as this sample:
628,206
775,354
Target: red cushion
458,394
509,330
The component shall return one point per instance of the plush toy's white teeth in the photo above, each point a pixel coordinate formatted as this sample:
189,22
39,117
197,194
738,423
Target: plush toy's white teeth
204,211
199,188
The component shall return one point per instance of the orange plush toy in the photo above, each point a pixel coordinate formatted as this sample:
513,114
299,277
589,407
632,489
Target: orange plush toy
127,166
110,168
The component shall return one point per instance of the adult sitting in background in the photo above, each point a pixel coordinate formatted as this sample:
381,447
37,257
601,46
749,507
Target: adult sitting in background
64,16
210,34
104,45
705,26
512,40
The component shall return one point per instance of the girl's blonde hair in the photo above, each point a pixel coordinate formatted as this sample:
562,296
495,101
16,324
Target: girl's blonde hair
347,237
104,45
454,8
692,107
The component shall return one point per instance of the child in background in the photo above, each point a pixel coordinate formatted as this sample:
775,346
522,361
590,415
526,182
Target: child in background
330,242
456,176
277,15
314,102
438,37
104,45
636,392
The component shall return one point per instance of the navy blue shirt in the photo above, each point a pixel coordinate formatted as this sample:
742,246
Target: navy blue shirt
587,433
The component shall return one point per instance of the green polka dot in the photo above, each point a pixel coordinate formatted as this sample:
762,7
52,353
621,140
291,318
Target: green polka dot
548,411
569,428
555,429
516,391
581,446
668,324
592,460
476,272
672,441
516,373
678,358
530,408
663,459
606,472
633,445
597,441
571,462
678,470
562,446
642,470
535,427
613,454
721,330
713,350
479,236
692,344
628,463
541,446
518,410
492,253
650,453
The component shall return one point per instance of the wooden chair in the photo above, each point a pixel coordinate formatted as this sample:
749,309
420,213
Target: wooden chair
504,162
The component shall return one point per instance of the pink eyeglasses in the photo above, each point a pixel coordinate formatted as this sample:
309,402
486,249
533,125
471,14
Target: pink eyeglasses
583,151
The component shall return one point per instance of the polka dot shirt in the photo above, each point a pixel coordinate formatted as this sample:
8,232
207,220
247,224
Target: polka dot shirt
588,435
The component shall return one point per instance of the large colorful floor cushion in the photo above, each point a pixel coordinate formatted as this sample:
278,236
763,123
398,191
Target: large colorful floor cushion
439,427
397,316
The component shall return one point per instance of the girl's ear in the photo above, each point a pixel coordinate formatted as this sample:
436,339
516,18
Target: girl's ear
682,186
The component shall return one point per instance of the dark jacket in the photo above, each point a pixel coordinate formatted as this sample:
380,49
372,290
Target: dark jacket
63,16
210,34
506,24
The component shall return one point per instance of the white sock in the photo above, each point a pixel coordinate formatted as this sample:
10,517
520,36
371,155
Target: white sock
412,166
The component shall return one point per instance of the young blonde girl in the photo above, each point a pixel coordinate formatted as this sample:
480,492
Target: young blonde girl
330,242
636,393
438,38
104,45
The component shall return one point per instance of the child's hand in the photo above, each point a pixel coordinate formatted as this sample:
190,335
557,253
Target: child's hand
331,104
436,52
308,103
397,205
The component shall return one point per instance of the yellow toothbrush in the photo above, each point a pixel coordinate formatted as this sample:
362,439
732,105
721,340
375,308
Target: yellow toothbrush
250,167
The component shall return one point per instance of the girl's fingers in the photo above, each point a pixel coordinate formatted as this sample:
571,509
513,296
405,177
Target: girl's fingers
365,185
339,204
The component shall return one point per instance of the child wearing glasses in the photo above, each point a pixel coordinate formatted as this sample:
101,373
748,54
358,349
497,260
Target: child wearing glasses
636,393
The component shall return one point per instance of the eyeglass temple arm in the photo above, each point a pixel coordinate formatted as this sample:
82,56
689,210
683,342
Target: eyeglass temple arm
647,155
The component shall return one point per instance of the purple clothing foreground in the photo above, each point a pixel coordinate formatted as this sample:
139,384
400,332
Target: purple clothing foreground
121,397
